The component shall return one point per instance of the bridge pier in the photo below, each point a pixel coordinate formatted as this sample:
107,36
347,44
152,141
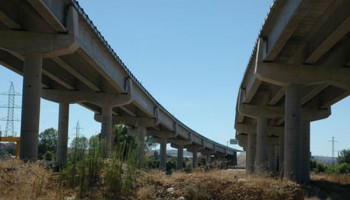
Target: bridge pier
271,156
179,144
163,155
194,150
180,157
106,128
207,153
141,134
250,154
281,153
62,140
305,152
32,74
261,149
292,133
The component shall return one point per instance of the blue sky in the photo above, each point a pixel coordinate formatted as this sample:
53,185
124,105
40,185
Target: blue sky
191,56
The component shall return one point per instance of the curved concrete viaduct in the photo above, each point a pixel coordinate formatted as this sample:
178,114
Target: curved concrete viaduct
298,69
64,58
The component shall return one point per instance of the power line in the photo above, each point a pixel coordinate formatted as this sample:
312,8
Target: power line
11,94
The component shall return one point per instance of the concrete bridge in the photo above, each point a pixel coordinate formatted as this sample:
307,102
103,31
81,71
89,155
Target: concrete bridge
298,69
64,58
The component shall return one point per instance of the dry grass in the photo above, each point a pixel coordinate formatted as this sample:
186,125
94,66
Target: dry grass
216,185
20,180
328,186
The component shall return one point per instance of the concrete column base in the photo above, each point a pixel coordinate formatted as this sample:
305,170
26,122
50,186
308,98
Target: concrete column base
250,154
261,147
305,152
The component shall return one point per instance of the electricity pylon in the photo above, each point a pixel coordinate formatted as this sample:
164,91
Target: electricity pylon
9,128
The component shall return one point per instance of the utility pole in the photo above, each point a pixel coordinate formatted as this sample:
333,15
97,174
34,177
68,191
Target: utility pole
9,129
333,141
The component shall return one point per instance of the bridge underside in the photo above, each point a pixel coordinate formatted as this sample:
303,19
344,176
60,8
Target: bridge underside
298,69
64,58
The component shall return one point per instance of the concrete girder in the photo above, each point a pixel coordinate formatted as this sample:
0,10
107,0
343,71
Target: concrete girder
283,28
207,151
76,74
256,111
131,121
313,93
283,75
162,134
251,128
114,78
45,44
324,44
278,96
253,84
100,99
47,15
5,19
58,80
176,142
242,139
193,148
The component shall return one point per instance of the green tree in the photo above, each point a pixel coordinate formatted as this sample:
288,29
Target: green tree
344,156
47,144
122,137
79,145
149,143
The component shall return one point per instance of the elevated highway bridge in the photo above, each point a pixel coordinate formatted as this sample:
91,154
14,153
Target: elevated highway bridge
299,68
64,58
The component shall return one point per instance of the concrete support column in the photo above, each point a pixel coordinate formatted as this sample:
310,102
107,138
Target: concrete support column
261,147
281,153
194,159
141,133
62,140
292,133
162,164
305,152
251,153
180,157
106,128
32,74
207,159
271,158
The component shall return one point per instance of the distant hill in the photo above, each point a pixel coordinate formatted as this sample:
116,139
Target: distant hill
324,159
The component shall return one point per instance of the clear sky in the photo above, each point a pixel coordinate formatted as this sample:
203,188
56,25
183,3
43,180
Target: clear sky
191,56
